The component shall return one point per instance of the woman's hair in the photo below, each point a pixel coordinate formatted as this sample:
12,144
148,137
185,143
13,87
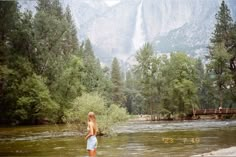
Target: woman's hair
92,117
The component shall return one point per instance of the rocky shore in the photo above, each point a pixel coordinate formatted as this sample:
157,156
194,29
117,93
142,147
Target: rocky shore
231,152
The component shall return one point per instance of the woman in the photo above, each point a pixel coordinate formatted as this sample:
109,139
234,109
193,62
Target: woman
91,136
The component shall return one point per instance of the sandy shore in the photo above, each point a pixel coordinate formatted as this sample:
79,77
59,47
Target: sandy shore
220,153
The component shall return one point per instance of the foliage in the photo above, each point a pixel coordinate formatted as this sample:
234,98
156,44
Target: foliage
168,85
34,102
93,102
117,86
218,64
148,70
222,54
47,74
43,66
26,94
84,104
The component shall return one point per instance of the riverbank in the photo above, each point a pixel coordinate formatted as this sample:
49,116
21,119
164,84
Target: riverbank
231,151
204,117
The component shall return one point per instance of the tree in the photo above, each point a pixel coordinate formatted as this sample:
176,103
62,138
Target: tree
225,32
223,26
148,69
117,86
218,64
50,30
68,86
34,102
223,42
26,98
134,99
201,76
71,35
23,40
8,18
180,88
53,8
92,67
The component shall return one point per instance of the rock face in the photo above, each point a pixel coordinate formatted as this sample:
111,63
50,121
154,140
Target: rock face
120,27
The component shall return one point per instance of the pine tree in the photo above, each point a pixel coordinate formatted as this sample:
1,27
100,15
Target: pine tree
146,67
223,34
9,19
72,33
52,7
90,79
23,39
88,50
50,30
223,26
117,87
57,9
219,65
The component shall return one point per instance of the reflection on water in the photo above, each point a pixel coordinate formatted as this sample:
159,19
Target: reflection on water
135,138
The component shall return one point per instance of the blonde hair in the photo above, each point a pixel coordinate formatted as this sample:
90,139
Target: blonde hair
92,117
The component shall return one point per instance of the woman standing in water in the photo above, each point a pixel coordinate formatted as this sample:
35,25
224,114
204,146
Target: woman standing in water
91,136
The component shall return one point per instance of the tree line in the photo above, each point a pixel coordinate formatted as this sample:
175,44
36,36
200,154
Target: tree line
180,84
47,74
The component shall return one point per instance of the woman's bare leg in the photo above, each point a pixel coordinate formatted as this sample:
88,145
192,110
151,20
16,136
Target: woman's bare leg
95,152
92,153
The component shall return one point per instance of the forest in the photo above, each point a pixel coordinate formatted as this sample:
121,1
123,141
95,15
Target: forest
48,75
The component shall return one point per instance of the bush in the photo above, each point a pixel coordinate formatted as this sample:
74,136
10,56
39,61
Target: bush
93,102
117,114
82,105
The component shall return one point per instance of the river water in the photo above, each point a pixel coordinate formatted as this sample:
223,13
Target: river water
133,139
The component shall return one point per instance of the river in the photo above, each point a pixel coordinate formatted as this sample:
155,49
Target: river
133,139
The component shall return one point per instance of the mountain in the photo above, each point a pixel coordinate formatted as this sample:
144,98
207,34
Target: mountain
118,28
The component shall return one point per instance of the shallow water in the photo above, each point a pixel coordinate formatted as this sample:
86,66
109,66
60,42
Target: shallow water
134,138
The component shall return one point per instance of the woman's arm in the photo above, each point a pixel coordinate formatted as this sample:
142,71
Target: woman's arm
90,133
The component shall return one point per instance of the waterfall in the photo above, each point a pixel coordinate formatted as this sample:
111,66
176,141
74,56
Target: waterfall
138,36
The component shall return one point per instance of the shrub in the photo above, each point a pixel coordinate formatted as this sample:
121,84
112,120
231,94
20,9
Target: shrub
93,102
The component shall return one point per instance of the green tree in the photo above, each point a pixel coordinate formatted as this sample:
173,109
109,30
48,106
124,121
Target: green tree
9,15
68,86
23,39
225,32
53,8
134,99
201,76
71,39
50,31
223,26
117,86
34,102
218,64
149,72
26,98
180,88
93,71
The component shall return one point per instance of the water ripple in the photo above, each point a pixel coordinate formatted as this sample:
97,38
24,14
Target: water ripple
163,126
